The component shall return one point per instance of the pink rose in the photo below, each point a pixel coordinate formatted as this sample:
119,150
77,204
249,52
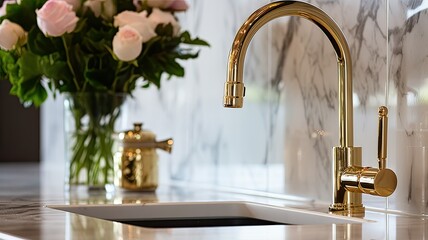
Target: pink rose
178,5
127,17
174,5
159,3
56,17
138,21
127,44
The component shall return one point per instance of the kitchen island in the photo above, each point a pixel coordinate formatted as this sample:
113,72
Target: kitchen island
26,189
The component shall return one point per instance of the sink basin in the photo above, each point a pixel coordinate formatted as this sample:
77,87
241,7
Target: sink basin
204,214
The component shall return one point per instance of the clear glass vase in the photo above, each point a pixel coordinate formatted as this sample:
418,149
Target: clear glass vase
91,120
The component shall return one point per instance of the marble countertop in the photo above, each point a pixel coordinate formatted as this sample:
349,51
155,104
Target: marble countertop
25,190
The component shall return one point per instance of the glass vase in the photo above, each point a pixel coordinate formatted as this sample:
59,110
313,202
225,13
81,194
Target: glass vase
91,120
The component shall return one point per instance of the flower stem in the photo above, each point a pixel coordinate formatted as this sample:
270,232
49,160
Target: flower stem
92,161
119,66
69,62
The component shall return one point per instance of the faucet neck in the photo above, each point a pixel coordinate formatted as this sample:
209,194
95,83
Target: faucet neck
234,85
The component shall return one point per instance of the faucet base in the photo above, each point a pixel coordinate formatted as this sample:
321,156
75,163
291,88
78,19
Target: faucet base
350,210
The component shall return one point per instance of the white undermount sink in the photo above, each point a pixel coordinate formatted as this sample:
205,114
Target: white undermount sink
197,214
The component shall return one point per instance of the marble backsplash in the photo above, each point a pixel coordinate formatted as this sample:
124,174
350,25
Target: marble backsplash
281,141
407,93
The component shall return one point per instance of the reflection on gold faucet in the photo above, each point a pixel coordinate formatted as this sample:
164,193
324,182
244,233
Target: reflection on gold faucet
347,231
350,179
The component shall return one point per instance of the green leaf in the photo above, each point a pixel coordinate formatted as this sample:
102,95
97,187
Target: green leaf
185,54
164,30
95,78
29,64
151,71
58,70
81,25
29,87
187,39
32,91
39,44
95,40
123,5
148,46
7,64
173,68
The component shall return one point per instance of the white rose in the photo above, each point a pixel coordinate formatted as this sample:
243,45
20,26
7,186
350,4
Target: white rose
105,9
11,35
138,21
127,43
160,17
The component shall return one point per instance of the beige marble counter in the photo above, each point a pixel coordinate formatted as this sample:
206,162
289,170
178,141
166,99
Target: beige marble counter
25,189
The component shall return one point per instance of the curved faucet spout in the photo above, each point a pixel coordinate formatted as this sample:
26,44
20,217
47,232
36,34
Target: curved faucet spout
234,87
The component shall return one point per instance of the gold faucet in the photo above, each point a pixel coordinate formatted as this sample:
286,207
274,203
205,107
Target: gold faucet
350,179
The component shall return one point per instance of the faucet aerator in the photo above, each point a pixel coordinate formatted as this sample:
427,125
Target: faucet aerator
234,93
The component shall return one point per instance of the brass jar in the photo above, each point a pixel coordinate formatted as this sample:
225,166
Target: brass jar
136,161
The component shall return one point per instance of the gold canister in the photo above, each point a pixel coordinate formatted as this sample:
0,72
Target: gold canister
136,161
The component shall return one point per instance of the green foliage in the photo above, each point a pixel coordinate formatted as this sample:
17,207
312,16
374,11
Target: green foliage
24,13
83,60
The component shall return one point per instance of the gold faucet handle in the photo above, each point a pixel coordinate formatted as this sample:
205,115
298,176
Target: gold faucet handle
382,181
378,182
382,140
373,181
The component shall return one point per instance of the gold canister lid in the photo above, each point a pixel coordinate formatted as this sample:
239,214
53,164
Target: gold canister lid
140,138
